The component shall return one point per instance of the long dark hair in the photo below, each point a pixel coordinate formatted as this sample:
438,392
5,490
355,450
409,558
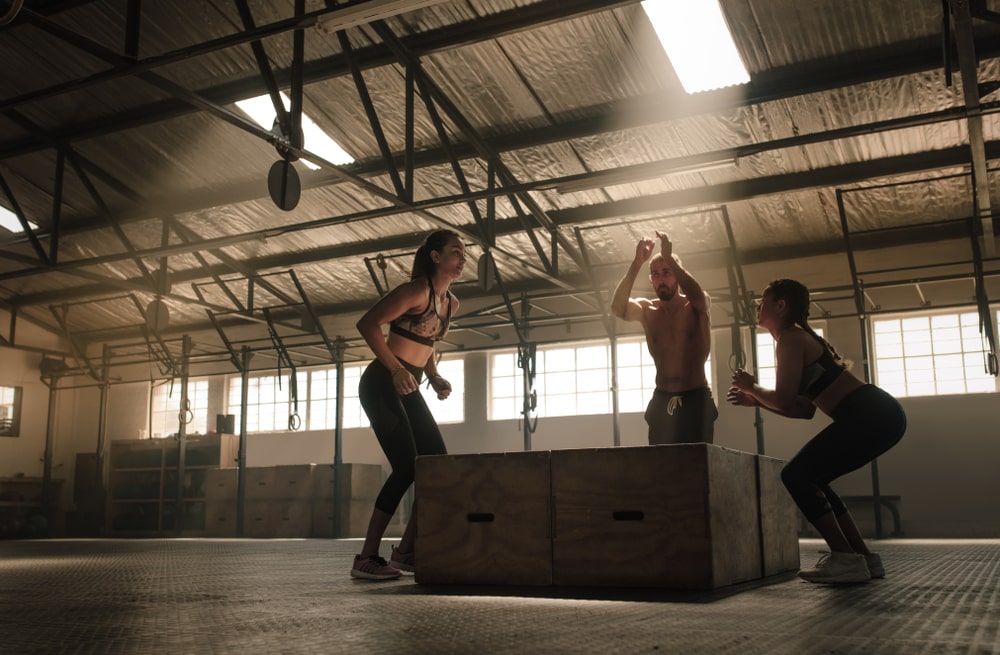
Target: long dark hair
423,265
796,297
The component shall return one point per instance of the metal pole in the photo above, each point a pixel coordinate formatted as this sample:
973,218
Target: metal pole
241,484
47,457
338,439
758,422
102,427
615,410
876,508
182,417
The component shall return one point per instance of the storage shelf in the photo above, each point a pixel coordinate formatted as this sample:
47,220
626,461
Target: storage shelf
22,504
143,483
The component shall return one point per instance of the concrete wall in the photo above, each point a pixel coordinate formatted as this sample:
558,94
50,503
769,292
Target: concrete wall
944,468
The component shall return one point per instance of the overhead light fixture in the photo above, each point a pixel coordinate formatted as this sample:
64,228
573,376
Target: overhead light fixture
261,111
9,222
698,43
640,172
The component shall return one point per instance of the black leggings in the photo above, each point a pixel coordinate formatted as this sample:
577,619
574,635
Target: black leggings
866,423
404,427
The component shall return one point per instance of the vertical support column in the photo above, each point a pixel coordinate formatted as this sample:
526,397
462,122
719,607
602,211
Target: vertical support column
526,360
47,456
338,440
241,464
183,418
102,428
866,362
742,313
616,423
859,306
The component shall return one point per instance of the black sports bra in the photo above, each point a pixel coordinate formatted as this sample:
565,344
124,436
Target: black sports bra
819,375
426,327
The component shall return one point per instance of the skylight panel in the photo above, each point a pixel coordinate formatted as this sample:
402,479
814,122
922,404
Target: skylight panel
9,222
261,111
697,40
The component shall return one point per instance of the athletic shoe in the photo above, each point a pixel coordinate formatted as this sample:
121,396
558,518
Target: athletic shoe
873,561
875,567
373,568
402,561
838,568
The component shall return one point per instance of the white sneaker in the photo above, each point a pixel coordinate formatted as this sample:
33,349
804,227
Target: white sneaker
875,567
874,562
838,568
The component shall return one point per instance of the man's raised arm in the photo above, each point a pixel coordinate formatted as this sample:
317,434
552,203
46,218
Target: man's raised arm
621,305
692,290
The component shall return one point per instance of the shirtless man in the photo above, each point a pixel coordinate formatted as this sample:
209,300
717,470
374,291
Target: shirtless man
678,337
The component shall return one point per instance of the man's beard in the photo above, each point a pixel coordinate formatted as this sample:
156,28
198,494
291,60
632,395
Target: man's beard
665,294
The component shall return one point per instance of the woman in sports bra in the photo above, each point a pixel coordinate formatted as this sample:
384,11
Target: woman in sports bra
418,313
867,422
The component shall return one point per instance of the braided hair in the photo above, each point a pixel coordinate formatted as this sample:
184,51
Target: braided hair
423,265
796,297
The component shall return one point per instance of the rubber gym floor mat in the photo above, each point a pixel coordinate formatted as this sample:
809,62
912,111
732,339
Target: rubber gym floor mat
295,596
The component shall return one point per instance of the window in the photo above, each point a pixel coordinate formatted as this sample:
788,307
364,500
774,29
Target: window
452,409
928,355
10,411
166,411
766,364
505,387
322,414
573,381
576,380
636,376
269,405
269,401
354,413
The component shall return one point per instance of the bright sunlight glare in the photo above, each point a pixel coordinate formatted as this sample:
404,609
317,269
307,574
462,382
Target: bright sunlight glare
261,111
697,40
9,222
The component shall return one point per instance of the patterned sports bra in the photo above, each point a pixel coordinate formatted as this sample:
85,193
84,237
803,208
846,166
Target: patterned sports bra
426,327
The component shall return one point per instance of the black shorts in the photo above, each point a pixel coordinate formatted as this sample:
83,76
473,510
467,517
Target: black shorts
685,417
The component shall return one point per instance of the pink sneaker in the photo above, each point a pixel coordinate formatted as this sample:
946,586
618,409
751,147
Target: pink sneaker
402,561
373,568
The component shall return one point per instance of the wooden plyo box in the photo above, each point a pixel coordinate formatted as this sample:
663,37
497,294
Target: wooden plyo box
677,516
220,518
355,481
293,481
354,518
779,519
484,519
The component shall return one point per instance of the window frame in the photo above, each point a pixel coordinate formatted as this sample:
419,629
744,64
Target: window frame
353,413
770,380
154,411
12,427
280,383
646,367
881,373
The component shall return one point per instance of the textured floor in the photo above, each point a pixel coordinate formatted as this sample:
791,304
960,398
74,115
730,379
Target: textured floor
245,596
